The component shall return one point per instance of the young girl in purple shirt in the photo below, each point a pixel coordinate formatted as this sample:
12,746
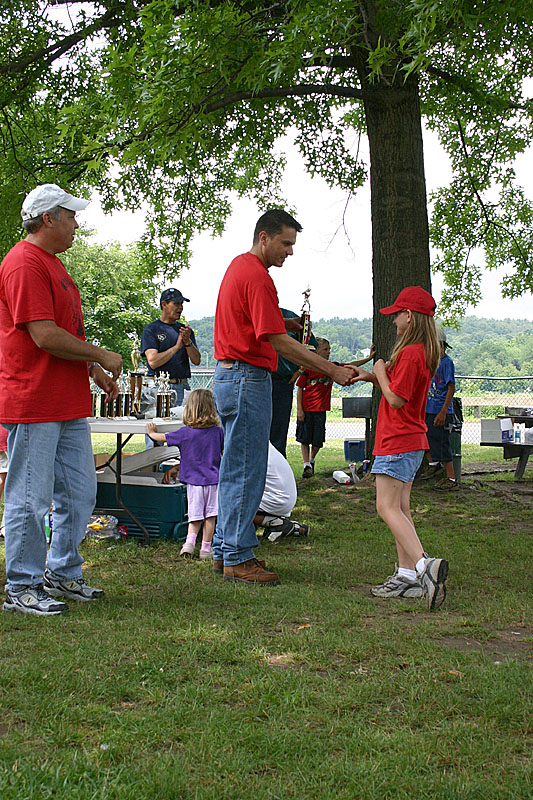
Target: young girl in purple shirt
201,443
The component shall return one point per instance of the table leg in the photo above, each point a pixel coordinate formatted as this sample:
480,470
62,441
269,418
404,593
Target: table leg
522,463
118,489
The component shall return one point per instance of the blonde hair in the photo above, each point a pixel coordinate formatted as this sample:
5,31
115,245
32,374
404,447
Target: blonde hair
321,340
200,411
421,330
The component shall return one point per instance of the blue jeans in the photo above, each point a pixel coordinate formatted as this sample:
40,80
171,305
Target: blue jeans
49,462
243,398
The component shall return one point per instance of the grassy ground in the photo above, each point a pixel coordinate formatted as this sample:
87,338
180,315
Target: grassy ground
179,685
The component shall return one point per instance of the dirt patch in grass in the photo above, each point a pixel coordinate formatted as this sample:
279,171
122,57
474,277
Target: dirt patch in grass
497,648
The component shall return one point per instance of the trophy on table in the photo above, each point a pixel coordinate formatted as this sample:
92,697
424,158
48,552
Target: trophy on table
163,395
305,319
136,377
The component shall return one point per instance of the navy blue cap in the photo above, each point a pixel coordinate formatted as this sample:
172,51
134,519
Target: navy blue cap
173,296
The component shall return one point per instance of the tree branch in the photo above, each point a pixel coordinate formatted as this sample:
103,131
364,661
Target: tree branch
47,55
476,91
489,222
304,90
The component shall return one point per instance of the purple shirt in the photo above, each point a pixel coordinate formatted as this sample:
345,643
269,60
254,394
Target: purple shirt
200,453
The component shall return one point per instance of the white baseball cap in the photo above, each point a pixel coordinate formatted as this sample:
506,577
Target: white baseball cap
47,196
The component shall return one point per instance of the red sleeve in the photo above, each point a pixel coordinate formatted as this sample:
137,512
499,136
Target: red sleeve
302,380
405,373
28,294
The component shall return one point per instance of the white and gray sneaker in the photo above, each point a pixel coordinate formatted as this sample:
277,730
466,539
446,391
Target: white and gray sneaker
73,588
398,586
34,600
433,580
280,527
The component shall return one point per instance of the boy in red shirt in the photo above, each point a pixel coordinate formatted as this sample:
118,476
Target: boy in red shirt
313,401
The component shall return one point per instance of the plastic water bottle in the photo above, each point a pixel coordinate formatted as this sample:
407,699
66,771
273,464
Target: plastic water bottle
341,477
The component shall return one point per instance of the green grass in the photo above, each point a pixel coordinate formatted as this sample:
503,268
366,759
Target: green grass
179,685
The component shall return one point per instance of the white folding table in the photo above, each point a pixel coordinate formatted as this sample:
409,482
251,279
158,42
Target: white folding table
121,426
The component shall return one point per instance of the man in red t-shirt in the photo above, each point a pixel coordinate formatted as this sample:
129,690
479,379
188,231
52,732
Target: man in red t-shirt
249,333
44,401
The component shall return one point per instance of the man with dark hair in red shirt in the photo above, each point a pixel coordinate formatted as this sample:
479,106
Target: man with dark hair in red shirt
249,333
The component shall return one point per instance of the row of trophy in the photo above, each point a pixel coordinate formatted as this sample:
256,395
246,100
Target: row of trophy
122,406
130,390
128,401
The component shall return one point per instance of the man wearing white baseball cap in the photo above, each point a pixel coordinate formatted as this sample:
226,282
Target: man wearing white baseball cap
48,196
44,401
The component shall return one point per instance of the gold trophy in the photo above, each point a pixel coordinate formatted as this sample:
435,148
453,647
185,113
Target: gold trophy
136,377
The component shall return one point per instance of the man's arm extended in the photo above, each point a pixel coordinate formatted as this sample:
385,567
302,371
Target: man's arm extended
298,354
62,344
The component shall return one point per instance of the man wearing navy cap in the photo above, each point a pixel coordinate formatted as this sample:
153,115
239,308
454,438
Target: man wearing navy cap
168,345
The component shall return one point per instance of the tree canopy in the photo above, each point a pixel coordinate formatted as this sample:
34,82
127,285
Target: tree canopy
180,102
117,293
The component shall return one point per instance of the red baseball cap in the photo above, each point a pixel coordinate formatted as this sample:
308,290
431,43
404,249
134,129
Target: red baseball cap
413,298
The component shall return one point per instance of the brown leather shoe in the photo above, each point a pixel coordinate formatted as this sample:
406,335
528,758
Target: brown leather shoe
218,566
252,571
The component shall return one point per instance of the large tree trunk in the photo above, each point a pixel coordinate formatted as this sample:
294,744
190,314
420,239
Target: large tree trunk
400,238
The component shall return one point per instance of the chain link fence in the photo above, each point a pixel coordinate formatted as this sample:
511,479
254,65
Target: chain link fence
483,397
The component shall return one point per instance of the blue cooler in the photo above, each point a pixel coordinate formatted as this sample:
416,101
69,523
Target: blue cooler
354,450
161,508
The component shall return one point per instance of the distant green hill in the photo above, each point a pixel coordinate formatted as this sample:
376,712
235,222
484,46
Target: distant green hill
497,347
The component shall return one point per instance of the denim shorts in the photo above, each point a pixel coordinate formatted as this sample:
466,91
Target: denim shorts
402,466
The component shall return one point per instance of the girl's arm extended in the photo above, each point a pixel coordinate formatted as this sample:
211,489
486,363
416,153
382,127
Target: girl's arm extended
151,430
364,360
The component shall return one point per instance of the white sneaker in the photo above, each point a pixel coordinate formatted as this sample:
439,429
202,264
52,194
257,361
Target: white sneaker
206,555
73,588
398,586
433,581
187,550
34,600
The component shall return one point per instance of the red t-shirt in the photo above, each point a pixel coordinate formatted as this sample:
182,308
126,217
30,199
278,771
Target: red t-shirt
402,430
3,440
247,313
316,391
36,386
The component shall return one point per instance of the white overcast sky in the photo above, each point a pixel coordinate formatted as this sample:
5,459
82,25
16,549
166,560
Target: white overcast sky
336,267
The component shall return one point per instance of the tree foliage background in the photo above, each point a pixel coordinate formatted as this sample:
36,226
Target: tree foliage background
181,103
481,346
117,293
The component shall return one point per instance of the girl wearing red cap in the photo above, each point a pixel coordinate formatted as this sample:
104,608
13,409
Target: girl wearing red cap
401,441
